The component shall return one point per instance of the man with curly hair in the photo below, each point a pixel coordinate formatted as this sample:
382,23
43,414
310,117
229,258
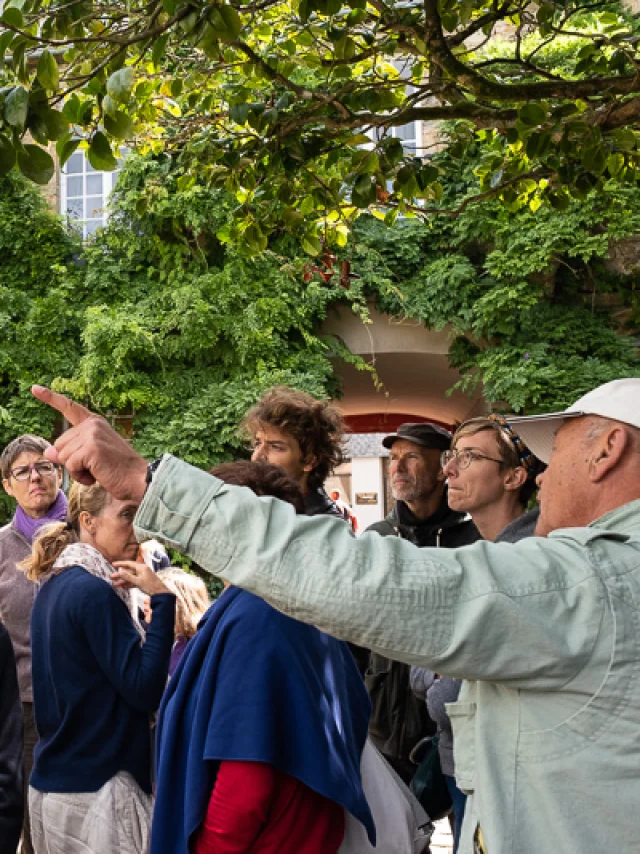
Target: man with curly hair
303,436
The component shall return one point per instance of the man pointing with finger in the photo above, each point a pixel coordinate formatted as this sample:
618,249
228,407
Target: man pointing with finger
547,733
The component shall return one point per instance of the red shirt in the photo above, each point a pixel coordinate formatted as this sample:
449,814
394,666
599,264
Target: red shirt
256,809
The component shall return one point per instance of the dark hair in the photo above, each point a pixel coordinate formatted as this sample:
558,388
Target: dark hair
262,478
316,425
23,444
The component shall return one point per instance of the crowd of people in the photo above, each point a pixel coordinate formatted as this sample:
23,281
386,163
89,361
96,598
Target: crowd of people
288,716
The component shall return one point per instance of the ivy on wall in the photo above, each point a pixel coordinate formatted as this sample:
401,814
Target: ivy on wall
528,298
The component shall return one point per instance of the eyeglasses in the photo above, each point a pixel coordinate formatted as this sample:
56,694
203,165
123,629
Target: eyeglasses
41,469
463,459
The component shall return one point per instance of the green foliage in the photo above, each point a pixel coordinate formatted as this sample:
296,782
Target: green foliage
292,106
41,305
184,332
520,292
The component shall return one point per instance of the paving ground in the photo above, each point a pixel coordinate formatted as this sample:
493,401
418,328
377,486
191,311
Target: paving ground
441,842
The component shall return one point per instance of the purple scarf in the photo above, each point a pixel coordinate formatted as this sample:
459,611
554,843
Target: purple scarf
29,527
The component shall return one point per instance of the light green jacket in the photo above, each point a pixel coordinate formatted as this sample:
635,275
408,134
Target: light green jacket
547,631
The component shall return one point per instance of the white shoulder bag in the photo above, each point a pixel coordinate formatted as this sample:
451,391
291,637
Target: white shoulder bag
402,826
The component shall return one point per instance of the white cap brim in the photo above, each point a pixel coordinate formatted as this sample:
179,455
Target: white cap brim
538,431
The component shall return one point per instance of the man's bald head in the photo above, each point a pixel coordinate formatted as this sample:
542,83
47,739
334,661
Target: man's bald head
594,468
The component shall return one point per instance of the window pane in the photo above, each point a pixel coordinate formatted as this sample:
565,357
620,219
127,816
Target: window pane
74,186
94,185
74,164
92,226
74,208
94,207
406,132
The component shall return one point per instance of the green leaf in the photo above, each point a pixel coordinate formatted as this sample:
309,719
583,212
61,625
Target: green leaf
72,110
7,156
615,164
36,164
594,160
16,107
47,72
100,154
311,244
532,114
559,201
625,139
55,124
12,17
5,41
159,49
65,148
120,84
239,113
120,126
255,238
231,19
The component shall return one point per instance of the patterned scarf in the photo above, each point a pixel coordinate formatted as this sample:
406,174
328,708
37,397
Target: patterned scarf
90,559
530,463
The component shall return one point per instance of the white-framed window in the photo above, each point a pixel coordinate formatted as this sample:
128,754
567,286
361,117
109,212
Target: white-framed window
410,135
84,193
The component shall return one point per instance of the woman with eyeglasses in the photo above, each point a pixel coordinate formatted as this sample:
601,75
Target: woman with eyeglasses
34,483
491,475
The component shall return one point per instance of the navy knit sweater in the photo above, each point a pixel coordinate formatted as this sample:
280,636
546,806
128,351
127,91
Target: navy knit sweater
94,684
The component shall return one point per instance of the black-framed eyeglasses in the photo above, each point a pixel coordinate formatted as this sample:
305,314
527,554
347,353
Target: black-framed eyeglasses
43,469
463,459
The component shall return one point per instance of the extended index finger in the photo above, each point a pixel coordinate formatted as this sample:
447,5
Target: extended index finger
74,412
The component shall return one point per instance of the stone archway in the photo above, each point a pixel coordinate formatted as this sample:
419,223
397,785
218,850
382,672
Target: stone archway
412,366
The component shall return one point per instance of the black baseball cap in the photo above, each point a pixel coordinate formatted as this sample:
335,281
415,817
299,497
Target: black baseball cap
426,435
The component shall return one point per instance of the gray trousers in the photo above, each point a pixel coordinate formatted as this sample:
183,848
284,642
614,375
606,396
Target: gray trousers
114,820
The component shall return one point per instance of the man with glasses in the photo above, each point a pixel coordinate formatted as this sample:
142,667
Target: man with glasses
34,483
421,515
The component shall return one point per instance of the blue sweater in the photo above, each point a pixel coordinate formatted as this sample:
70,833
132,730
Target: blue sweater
94,684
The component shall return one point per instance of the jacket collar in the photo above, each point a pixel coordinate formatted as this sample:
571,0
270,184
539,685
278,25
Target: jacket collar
622,520
443,518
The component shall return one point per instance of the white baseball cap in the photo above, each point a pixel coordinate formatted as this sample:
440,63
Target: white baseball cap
618,400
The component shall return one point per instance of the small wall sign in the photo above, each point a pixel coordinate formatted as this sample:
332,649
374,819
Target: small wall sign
366,497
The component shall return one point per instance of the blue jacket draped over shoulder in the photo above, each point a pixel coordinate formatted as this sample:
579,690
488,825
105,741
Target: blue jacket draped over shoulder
256,685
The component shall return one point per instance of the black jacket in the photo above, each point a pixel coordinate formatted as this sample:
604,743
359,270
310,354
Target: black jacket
11,749
398,718
446,529
318,503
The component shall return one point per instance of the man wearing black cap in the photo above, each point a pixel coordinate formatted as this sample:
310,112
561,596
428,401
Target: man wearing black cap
421,515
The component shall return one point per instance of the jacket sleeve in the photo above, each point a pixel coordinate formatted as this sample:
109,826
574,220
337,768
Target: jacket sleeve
527,614
137,671
11,750
444,690
421,680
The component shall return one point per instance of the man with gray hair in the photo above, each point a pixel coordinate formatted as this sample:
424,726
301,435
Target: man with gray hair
34,482
546,630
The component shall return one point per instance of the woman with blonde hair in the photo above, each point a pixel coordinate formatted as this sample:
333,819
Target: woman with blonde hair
192,602
95,682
